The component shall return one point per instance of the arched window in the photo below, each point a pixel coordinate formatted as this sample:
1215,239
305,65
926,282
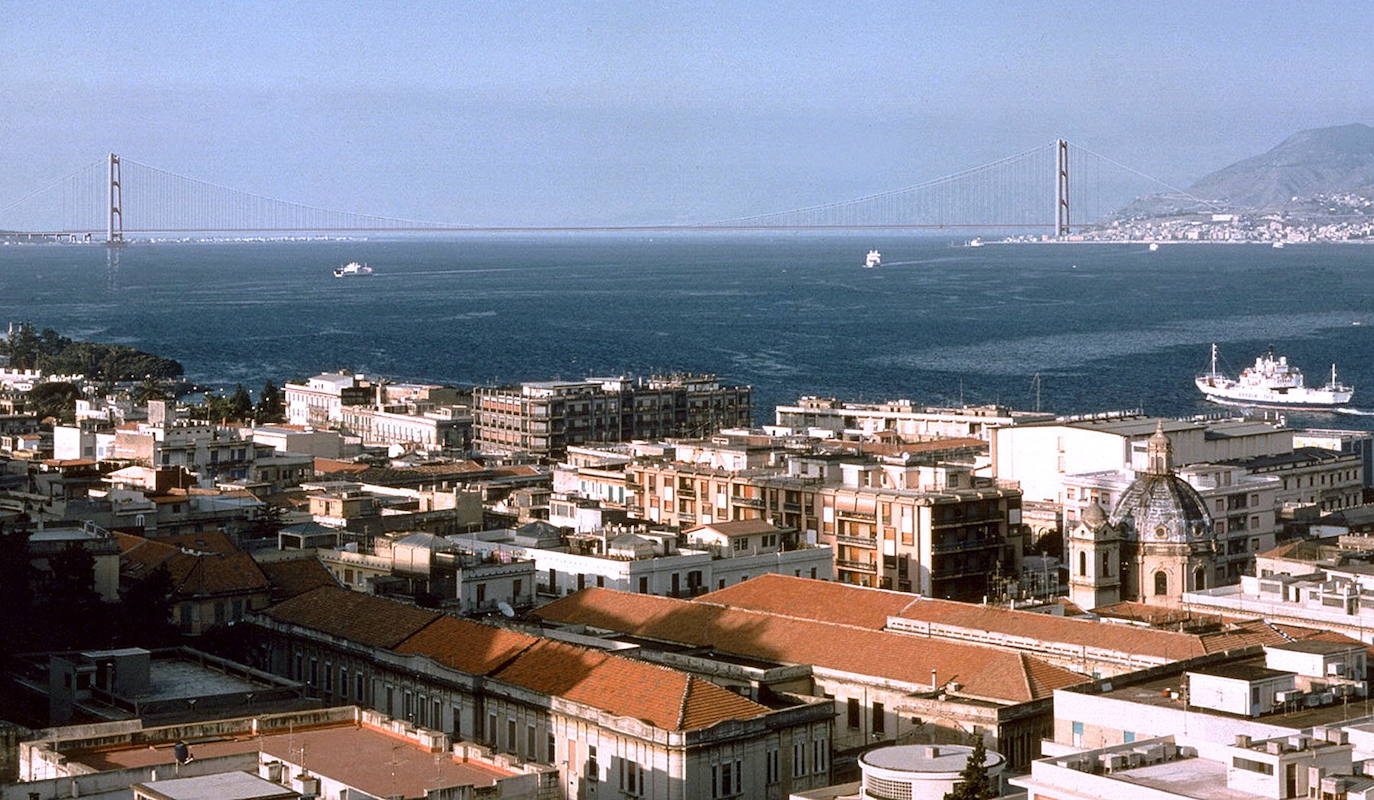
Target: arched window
1199,579
1161,582
1106,565
1082,562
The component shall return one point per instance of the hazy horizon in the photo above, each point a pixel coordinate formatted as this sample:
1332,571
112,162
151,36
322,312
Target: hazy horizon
515,113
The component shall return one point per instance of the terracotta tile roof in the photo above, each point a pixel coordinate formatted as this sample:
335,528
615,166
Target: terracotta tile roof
663,697
855,605
359,617
467,646
741,527
296,576
983,671
192,575
825,601
206,542
330,466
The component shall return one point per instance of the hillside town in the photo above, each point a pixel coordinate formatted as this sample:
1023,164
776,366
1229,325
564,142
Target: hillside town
626,587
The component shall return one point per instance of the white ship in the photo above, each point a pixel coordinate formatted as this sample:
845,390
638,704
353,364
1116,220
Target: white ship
352,268
874,259
1271,383
1154,246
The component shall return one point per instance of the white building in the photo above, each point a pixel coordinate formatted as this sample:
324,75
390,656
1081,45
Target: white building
320,400
906,420
651,562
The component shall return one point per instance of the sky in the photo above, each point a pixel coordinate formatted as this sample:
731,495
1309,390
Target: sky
547,113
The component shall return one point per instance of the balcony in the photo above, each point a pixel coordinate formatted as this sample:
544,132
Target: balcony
794,508
965,544
748,502
864,516
857,541
857,566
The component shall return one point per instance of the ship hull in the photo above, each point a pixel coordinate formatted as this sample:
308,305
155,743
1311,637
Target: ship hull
1310,399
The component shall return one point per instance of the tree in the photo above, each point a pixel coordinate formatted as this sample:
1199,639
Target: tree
149,390
268,522
54,399
240,404
75,611
16,592
270,406
974,783
145,613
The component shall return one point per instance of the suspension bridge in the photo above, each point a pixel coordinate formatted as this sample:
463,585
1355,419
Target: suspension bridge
1055,187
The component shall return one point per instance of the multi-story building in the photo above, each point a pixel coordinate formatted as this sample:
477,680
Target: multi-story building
904,419
545,417
609,724
321,399
652,562
938,530
1327,479
882,686
418,564
441,428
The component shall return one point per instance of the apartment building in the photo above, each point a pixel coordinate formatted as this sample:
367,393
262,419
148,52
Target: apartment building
546,417
933,529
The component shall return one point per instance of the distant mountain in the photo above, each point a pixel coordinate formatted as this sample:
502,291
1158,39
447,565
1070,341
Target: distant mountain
1316,161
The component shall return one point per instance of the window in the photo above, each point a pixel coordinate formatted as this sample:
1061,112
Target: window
491,729
510,735
530,742
643,585
591,773
1161,583
328,677
343,683
853,715
1082,562
359,696
798,759
438,721
515,590
314,672
408,710
879,724
481,593
771,762
552,750
1253,766
725,779
631,777
1078,734
1128,736
299,673
456,728
820,752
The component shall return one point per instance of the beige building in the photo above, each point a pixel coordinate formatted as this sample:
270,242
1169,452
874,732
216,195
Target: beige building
936,530
905,420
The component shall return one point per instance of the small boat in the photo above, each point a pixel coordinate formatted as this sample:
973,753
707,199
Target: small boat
1154,246
874,259
352,268
1271,383
976,243
1278,245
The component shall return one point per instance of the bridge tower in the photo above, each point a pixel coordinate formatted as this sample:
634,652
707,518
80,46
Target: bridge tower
114,220
1061,188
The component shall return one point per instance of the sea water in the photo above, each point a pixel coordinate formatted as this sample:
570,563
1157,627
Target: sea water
1103,326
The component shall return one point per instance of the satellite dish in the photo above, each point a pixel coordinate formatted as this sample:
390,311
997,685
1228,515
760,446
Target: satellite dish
505,608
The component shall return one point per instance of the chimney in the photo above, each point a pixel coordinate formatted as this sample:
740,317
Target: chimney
934,684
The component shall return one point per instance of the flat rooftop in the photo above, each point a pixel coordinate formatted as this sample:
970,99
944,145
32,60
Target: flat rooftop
236,785
1155,693
175,679
1198,778
362,757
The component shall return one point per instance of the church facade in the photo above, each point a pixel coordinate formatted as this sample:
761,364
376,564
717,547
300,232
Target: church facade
1157,543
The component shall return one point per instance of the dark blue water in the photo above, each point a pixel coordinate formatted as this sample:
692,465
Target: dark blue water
1105,326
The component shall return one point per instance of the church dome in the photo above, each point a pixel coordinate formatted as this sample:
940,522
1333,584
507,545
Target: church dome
1159,506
